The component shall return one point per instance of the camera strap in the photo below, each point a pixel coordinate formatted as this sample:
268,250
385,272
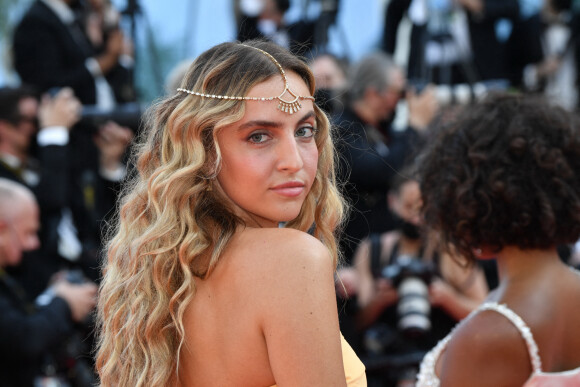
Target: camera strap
376,248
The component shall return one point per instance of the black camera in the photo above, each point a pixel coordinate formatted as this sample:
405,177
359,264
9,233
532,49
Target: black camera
411,277
92,116
395,345
75,277
72,276
127,114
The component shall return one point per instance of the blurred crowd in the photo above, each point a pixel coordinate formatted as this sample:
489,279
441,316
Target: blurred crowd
66,134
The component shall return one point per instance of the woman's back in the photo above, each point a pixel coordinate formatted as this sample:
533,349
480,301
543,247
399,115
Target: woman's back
556,334
550,310
545,304
259,307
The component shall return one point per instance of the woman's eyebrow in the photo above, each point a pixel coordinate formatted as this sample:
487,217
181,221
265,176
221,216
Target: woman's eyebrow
251,124
307,116
273,124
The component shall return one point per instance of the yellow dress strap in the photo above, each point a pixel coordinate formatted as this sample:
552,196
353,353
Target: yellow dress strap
354,369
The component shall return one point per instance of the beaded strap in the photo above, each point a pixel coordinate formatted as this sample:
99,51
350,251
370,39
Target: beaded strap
427,376
522,327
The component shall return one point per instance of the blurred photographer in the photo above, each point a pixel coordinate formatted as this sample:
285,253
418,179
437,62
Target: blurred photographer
266,19
330,74
30,333
410,294
453,41
52,49
101,22
371,149
39,148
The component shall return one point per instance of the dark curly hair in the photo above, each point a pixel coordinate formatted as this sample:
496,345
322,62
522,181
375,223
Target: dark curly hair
505,171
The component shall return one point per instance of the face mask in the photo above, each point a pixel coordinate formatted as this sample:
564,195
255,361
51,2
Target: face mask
410,230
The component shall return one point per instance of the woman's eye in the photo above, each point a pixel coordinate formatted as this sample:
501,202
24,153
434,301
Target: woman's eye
306,132
257,138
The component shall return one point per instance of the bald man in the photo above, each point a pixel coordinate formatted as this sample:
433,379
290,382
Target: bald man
19,222
29,332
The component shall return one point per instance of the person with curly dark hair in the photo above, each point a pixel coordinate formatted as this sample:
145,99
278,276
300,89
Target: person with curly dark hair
503,180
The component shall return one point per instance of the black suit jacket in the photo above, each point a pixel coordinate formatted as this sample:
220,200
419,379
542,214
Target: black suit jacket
52,194
367,167
46,54
27,333
300,34
69,178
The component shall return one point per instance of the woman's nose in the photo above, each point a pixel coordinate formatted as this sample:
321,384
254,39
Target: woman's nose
289,156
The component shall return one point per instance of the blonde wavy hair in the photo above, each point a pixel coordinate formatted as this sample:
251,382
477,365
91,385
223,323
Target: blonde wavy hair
172,229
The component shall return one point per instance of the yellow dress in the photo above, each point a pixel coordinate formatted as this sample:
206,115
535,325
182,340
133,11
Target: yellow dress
354,369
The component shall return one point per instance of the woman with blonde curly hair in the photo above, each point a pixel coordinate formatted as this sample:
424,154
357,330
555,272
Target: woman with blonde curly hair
220,270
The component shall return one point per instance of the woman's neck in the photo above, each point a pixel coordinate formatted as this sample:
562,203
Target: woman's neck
410,246
515,263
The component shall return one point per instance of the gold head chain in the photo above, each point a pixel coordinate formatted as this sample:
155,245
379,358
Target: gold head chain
287,106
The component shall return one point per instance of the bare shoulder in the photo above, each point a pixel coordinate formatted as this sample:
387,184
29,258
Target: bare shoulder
361,254
279,252
389,239
486,350
284,280
388,242
283,241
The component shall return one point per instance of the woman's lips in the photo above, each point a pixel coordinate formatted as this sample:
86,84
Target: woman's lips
291,189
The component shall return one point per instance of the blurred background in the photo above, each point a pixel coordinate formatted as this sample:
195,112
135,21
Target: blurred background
167,32
389,73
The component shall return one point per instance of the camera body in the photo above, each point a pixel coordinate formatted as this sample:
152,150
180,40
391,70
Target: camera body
92,117
127,114
411,277
74,276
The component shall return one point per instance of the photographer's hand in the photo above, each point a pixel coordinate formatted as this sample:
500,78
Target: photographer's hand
385,295
422,107
441,293
94,28
109,59
112,141
62,110
81,299
347,282
458,305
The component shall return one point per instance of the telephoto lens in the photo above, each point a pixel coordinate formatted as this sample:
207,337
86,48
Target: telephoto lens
414,308
411,277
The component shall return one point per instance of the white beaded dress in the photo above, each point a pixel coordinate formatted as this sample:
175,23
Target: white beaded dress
538,378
